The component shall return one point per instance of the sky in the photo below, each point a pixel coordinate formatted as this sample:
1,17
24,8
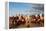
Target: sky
22,8
19,7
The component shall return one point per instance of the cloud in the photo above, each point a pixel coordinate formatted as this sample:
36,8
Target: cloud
38,6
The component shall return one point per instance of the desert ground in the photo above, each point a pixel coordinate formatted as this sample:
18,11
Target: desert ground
26,21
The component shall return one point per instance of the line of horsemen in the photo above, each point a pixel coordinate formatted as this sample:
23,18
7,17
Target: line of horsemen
16,21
